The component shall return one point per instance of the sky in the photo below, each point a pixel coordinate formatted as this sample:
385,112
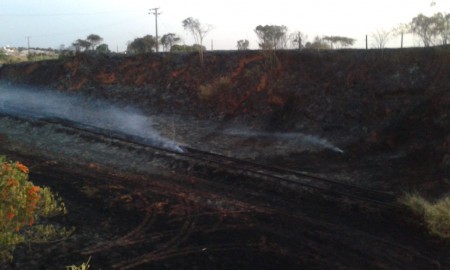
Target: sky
52,23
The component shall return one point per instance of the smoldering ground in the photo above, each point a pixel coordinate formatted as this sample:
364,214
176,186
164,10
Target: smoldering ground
41,103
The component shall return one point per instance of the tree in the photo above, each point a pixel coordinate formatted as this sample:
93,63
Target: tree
186,48
447,28
401,30
341,42
2,55
317,44
94,40
272,37
198,32
243,44
380,37
102,48
443,28
298,39
168,40
428,28
23,206
142,45
81,44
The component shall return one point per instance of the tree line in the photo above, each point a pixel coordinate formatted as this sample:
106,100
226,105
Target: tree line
432,30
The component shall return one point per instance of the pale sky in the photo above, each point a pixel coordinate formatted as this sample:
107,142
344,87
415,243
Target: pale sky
50,23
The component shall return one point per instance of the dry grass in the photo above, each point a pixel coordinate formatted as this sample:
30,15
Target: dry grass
207,91
435,214
13,59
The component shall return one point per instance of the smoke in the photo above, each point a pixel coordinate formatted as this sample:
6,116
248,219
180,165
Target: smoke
301,138
38,103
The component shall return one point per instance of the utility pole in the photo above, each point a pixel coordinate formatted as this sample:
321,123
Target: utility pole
299,40
28,39
367,44
154,11
401,42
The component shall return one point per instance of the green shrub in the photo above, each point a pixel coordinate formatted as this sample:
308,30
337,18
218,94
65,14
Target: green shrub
436,215
22,205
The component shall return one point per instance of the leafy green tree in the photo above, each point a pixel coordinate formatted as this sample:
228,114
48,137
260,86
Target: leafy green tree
81,44
186,48
94,40
198,31
103,48
142,45
243,44
168,40
271,37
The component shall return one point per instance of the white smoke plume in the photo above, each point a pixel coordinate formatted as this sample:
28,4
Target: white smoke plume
305,139
39,103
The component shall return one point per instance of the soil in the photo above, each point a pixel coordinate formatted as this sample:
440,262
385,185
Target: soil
378,119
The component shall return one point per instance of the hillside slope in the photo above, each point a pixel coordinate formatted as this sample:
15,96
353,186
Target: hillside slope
376,104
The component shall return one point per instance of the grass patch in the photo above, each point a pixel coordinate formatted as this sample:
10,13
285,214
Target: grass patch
14,59
83,266
436,214
207,91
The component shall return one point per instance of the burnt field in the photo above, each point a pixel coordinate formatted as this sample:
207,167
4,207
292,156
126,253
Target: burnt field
274,160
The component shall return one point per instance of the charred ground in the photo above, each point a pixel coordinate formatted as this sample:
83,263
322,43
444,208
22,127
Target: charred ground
387,109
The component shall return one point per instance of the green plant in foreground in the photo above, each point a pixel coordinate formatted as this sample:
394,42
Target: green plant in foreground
22,205
83,266
435,214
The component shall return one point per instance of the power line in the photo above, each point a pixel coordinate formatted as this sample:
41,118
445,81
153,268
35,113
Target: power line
154,11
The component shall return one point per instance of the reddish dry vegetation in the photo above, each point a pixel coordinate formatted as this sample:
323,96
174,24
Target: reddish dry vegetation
369,100
389,110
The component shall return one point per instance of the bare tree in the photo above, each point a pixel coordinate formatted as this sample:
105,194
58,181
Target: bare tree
298,39
381,37
401,30
198,31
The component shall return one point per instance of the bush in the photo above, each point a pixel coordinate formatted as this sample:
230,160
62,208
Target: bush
83,266
207,91
436,215
22,205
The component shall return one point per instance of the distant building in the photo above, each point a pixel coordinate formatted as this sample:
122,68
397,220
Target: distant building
9,50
